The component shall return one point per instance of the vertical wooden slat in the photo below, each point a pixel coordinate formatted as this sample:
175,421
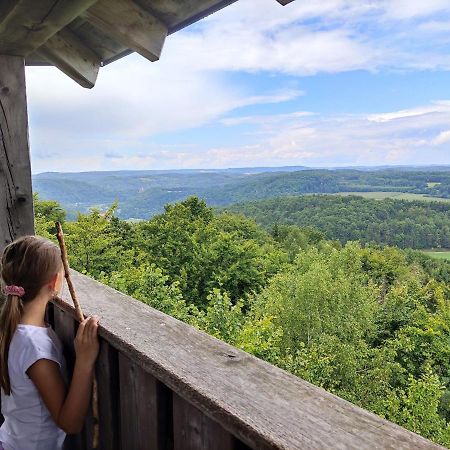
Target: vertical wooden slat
193,430
65,327
16,200
107,372
143,408
50,314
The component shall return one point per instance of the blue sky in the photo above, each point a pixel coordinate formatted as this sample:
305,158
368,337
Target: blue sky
320,84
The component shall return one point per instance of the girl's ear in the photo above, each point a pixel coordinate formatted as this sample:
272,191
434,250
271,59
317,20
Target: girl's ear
52,283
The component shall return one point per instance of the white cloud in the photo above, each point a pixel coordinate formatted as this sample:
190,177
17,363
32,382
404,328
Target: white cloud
321,141
407,9
435,108
190,86
402,137
442,138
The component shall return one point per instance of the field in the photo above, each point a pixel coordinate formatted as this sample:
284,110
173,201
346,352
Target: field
443,254
396,196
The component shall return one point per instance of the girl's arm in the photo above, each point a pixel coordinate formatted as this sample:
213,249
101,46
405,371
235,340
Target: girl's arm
69,411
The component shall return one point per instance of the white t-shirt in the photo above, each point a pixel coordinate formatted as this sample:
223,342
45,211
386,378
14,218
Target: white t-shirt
28,423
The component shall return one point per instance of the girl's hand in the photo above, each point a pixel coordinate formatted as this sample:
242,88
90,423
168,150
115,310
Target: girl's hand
86,341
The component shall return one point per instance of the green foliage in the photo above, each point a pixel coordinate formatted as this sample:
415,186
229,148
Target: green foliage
323,293
203,252
94,245
294,239
406,224
221,318
417,408
368,323
148,284
46,214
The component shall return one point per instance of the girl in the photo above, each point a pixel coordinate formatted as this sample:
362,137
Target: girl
38,413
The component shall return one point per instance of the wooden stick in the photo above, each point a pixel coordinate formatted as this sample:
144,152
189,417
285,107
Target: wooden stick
80,317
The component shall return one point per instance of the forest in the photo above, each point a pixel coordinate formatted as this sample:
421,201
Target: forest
369,323
141,194
402,223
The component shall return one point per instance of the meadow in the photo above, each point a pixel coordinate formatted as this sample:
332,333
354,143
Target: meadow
396,195
439,254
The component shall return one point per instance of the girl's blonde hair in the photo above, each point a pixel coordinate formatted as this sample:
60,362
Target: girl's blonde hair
29,262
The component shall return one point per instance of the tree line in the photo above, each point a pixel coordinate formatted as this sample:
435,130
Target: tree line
402,223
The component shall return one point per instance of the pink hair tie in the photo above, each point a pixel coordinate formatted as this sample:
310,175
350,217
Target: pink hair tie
15,290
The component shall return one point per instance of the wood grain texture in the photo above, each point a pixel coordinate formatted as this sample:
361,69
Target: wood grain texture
105,46
16,200
129,24
69,54
107,371
29,23
143,409
179,14
175,14
263,406
193,430
64,325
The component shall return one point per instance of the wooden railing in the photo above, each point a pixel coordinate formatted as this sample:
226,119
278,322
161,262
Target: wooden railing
164,385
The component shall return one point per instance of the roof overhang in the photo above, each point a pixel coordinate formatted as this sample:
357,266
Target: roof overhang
80,36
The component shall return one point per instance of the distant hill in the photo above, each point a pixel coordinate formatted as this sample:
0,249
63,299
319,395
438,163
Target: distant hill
404,223
142,194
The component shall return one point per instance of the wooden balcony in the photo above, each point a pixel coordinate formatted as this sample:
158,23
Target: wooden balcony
164,385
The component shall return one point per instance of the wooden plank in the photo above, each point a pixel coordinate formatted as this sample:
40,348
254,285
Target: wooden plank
67,52
193,430
180,14
130,25
177,15
16,200
262,405
6,6
107,371
50,314
173,13
105,46
30,23
64,326
143,409
34,59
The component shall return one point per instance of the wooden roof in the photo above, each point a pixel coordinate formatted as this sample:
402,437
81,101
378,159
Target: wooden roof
80,36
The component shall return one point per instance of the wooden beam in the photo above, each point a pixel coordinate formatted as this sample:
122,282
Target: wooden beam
30,23
67,52
16,200
6,6
34,59
129,24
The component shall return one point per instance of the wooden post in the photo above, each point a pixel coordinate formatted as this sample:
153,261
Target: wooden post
16,199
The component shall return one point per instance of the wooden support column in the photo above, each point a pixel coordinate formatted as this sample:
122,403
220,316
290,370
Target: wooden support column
16,199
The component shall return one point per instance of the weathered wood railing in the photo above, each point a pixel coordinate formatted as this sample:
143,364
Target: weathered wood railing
164,385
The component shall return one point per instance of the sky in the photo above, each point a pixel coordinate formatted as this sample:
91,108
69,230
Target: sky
315,83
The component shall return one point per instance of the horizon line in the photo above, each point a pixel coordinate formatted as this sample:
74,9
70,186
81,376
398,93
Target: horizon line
354,167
